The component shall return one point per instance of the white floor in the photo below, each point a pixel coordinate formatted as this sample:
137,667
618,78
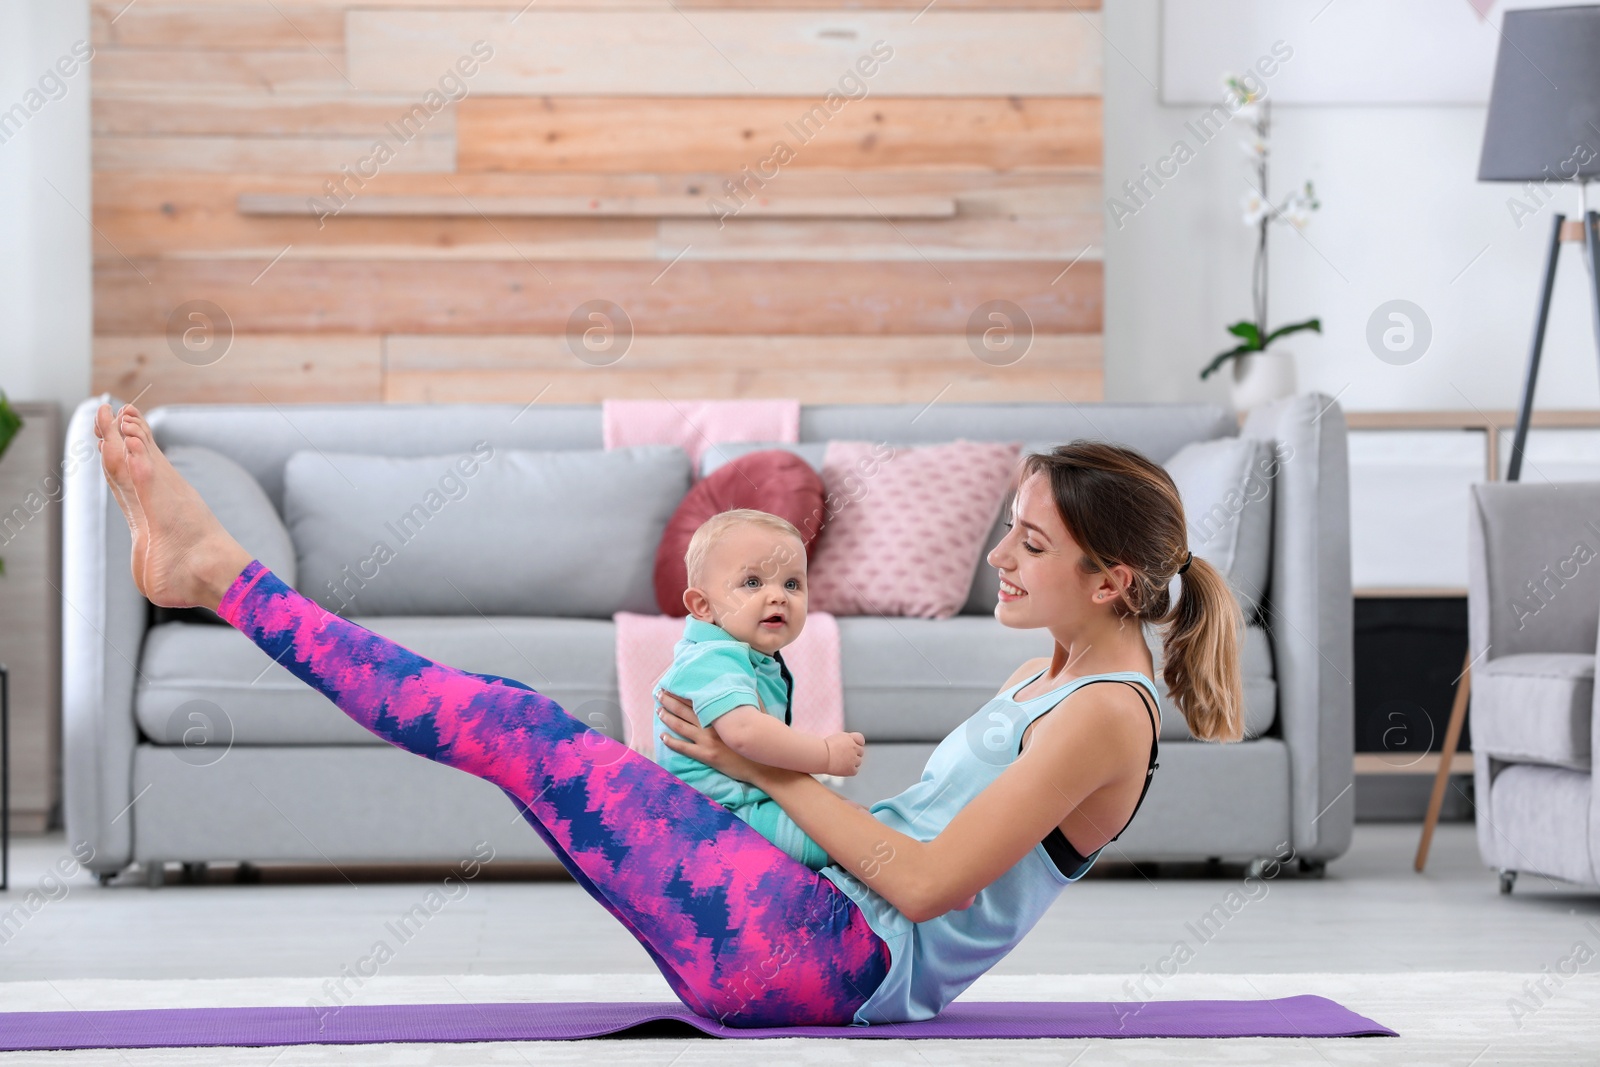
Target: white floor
1441,957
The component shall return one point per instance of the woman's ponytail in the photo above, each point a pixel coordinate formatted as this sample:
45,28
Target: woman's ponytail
1200,653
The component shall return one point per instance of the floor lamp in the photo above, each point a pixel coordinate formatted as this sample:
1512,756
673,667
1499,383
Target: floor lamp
1543,131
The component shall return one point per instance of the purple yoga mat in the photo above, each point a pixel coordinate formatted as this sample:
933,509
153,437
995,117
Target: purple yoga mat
1304,1016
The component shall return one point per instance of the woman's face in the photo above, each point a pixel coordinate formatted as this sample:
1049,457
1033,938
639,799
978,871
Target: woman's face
1042,580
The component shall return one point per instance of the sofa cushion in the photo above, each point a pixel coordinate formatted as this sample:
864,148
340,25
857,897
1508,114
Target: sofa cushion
1534,707
918,679
1226,486
211,684
905,526
240,504
485,531
262,437
771,480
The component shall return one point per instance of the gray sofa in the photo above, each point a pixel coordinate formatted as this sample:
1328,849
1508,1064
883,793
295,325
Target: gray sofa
297,781
1533,617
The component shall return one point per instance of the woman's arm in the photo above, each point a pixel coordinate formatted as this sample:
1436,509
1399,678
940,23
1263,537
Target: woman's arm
1068,757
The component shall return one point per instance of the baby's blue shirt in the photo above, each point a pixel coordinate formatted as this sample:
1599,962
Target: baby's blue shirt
717,672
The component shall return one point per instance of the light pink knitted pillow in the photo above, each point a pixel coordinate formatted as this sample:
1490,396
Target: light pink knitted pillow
904,533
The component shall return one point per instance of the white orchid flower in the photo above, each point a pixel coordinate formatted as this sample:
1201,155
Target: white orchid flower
1255,208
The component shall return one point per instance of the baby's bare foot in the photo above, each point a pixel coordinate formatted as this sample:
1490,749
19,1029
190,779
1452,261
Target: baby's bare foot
182,556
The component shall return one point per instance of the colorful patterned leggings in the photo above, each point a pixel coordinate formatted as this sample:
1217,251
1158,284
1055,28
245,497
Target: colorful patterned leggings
742,933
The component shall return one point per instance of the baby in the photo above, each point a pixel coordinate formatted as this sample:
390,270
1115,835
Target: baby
746,600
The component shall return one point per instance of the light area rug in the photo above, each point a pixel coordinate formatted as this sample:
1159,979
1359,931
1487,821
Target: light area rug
1461,1019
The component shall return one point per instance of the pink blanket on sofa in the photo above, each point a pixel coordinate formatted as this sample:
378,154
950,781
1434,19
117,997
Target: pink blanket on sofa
644,652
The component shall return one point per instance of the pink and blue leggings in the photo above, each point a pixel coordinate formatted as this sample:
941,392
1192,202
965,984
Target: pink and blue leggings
742,933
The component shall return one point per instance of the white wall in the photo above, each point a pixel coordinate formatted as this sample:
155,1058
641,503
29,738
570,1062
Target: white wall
1402,217
45,307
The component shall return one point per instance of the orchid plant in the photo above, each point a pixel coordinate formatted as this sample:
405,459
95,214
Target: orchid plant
1261,213
10,423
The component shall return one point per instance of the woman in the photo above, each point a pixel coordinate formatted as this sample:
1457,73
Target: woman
930,888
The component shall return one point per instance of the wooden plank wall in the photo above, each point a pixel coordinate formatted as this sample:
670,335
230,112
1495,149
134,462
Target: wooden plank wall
735,111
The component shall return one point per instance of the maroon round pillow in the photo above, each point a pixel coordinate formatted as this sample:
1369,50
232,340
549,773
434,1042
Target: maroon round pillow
774,481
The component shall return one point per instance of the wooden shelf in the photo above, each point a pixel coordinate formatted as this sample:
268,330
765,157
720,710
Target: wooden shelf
1505,419
1409,763
1379,592
616,207
1490,423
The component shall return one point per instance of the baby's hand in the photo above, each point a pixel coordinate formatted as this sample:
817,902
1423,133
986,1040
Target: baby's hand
844,753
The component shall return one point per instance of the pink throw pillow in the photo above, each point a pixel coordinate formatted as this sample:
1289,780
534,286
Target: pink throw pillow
906,526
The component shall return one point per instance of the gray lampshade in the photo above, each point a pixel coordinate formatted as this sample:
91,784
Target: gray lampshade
1546,97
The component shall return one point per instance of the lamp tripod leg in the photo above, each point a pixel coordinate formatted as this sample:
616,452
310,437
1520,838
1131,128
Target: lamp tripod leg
1591,247
1546,288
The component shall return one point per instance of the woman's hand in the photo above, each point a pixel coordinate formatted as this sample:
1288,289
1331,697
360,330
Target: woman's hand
701,742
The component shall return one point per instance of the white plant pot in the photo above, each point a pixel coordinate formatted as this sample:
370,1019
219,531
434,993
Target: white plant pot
1262,377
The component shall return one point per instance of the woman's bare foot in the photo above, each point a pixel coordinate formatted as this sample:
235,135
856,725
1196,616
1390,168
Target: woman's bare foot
182,556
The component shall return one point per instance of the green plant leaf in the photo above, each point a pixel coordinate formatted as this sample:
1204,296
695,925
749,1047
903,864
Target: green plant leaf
10,423
1249,332
1222,358
1314,325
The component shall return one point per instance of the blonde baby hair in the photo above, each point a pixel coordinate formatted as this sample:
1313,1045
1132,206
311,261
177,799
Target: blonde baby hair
694,557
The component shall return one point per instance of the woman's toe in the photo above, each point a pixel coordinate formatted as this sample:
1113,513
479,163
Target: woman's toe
150,452
118,456
133,425
139,467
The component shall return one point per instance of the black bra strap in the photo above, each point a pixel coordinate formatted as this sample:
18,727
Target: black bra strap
1155,741
1155,744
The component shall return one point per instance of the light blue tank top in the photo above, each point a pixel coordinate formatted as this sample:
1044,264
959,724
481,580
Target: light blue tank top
931,963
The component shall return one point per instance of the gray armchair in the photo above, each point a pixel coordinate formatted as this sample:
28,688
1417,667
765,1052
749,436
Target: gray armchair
1533,618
